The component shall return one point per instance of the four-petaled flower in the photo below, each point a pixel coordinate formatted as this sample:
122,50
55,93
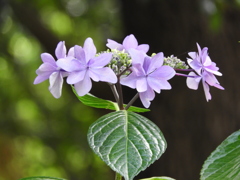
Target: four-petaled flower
148,75
50,70
206,71
130,42
86,66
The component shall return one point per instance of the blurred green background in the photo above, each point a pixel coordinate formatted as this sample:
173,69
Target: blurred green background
40,135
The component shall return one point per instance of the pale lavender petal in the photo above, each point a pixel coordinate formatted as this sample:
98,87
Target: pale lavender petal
209,78
56,82
146,97
114,45
193,82
143,47
137,56
84,86
71,52
193,55
141,84
130,42
206,91
103,74
196,66
75,77
70,65
218,86
157,84
79,53
206,60
45,69
89,48
61,51
138,70
129,81
101,60
40,79
199,49
213,70
47,58
164,72
156,62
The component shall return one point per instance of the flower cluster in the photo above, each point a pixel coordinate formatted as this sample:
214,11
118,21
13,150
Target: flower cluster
124,64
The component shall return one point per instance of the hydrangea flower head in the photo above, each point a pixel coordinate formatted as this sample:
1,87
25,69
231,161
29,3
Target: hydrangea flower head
130,42
205,70
148,75
50,70
200,61
86,66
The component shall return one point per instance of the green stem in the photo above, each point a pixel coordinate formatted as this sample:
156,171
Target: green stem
120,102
118,176
115,93
132,101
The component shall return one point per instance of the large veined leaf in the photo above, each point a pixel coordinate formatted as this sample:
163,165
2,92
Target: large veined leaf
93,101
41,178
158,178
224,162
126,141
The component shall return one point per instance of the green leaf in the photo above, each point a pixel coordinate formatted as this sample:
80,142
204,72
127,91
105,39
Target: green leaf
41,178
158,178
224,162
93,101
126,141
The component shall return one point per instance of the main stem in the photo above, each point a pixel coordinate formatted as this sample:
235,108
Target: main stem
120,99
118,176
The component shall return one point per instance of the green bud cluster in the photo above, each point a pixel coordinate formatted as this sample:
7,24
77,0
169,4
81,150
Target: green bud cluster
120,61
174,62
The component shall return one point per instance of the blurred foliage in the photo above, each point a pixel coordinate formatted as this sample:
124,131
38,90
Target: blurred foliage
40,135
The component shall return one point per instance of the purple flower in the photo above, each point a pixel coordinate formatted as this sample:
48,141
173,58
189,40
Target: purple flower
86,66
128,43
50,70
148,75
206,71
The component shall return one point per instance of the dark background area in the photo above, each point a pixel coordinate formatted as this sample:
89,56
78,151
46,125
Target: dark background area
40,135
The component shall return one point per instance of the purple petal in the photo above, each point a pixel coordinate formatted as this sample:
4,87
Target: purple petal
164,73
79,53
192,83
193,55
47,58
129,81
146,97
89,48
114,45
101,60
156,62
206,91
141,84
71,52
56,82
103,74
75,77
45,69
61,51
218,86
137,56
70,65
130,42
157,84
40,79
84,86
143,47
